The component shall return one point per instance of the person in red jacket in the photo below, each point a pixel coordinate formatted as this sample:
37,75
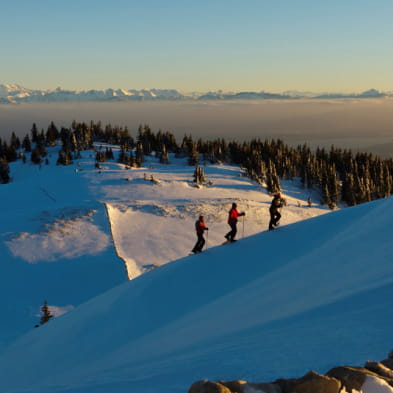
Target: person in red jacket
200,228
232,221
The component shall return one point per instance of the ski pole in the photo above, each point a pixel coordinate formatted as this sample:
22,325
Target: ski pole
207,239
243,228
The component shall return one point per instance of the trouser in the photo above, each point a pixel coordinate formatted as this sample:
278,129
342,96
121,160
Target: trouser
274,219
199,244
232,233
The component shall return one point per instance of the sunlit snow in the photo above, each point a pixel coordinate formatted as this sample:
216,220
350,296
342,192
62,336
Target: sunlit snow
314,294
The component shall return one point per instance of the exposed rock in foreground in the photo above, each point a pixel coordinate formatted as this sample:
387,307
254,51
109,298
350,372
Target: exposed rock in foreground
374,377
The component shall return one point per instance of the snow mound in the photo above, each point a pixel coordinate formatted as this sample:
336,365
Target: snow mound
66,238
310,295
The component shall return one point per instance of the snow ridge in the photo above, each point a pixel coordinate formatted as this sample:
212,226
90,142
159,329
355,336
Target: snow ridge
228,313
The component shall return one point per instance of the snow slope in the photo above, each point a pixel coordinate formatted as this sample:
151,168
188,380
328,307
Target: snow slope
55,245
311,295
70,233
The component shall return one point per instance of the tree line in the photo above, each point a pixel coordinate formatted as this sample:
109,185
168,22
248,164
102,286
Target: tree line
339,174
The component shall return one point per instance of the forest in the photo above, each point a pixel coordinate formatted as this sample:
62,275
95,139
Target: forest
340,175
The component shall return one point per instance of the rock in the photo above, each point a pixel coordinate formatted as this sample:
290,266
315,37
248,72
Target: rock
388,363
379,369
235,386
354,377
208,387
312,382
246,387
286,385
262,388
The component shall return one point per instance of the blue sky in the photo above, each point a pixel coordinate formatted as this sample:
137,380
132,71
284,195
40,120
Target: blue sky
198,45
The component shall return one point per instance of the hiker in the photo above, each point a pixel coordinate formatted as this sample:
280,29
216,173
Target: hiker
232,221
200,228
277,203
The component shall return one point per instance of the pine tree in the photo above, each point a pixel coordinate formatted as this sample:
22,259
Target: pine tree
46,314
348,189
52,134
139,155
34,133
26,144
199,176
36,156
333,186
327,198
193,158
15,142
387,185
272,182
64,158
4,171
100,156
122,155
164,156
9,152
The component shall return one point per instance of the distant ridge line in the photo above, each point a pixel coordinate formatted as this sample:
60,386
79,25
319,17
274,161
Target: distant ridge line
14,93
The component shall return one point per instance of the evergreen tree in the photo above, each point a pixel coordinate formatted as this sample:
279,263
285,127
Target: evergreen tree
9,152
348,190
139,155
327,199
333,186
26,144
164,156
46,314
199,176
52,134
74,142
109,153
122,155
100,156
193,158
64,158
386,189
36,156
42,150
4,171
34,133
272,181
15,142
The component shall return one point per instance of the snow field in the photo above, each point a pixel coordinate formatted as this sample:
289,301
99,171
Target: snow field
313,294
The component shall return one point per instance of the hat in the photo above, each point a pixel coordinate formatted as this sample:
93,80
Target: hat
234,204
201,217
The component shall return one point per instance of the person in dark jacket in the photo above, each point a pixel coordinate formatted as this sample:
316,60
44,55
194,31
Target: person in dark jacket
200,228
277,203
232,221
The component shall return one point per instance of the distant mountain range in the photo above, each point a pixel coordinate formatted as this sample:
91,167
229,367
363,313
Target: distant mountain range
10,94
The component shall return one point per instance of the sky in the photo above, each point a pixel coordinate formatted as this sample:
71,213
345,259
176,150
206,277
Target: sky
198,46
